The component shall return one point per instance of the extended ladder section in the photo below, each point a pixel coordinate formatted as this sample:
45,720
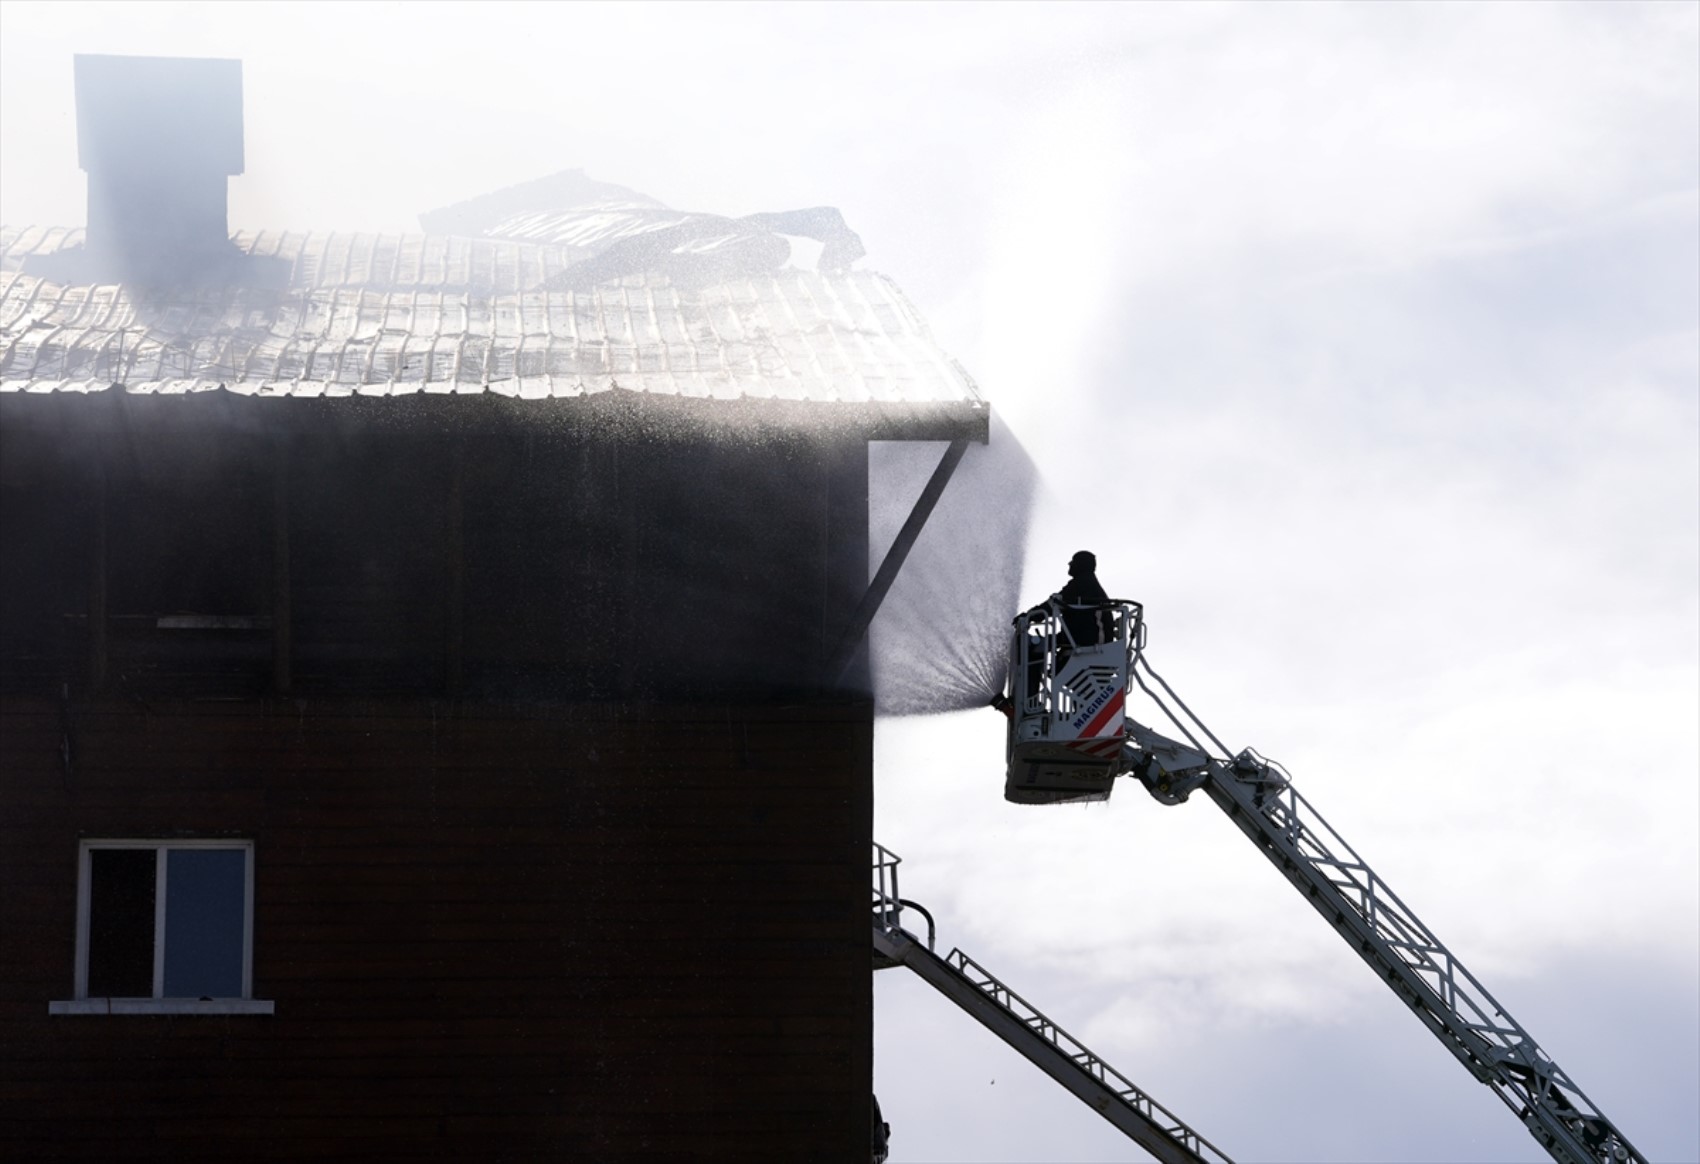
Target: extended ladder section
1405,954
1046,1045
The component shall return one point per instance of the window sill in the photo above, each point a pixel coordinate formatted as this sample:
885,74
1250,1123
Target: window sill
161,1006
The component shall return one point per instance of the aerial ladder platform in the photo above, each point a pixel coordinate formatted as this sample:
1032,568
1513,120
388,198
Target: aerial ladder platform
1029,1031
1070,737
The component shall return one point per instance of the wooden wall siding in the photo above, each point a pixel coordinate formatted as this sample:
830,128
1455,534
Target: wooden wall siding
598,932
368,567
46,541
554,564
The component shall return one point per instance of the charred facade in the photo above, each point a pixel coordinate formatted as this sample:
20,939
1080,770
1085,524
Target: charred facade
423,732
557,832
240,551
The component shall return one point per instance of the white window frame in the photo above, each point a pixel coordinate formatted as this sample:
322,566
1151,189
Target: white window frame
156,1004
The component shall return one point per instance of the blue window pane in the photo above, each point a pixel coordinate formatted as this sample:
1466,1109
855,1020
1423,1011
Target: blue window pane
205,902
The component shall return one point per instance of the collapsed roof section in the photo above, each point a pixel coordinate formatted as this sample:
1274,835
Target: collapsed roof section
624,232
486,213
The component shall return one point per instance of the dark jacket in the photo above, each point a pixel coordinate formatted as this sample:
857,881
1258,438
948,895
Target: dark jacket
1084,626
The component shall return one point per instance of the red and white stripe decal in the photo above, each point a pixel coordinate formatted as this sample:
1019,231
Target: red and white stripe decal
1101,723
1103,736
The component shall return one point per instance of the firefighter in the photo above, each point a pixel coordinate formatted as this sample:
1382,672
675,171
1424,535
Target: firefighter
1085,627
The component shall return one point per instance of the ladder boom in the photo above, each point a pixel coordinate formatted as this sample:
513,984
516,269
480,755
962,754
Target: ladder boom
1414,963
1029,1031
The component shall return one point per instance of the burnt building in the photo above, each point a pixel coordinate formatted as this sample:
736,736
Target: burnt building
432,716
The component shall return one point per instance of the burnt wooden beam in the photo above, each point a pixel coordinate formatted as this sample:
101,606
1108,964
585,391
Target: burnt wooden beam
454,553
282,639
630,413
627,476
98,572
845,566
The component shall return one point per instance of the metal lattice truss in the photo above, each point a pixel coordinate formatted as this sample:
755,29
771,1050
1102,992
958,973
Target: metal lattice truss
1028,1030
1259,797
1125,1090
1405,953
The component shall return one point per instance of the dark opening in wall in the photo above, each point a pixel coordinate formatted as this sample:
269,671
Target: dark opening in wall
188,566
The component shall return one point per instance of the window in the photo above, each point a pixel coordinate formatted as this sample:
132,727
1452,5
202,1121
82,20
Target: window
164,927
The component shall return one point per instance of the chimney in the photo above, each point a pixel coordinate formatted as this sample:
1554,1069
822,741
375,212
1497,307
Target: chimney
159,138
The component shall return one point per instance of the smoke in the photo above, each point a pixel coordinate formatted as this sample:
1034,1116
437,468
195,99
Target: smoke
941,639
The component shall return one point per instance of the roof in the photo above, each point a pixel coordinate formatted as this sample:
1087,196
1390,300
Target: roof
394,315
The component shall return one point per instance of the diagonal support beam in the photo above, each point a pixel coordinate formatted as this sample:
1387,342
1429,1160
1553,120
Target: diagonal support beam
894,559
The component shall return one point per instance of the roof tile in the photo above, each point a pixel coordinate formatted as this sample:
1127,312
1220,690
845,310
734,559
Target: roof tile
391,315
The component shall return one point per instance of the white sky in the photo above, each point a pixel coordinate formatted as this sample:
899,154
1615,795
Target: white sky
1377,328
